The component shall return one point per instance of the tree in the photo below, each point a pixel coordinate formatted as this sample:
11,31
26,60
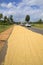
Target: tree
1,16
27,18
11,18
5,18
40,21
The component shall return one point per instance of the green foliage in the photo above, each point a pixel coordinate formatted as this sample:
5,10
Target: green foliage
5,19
1,15
4,27
38,25
27,18
11,19
39,21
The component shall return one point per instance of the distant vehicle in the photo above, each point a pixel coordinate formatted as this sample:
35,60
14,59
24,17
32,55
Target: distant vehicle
27,25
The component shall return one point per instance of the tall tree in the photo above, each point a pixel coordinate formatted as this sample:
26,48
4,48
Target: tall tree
1,16
5,19
11,18
27,18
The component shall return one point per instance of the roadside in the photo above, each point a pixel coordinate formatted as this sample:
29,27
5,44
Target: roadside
34,29
4,36
24,48
4,27
39,26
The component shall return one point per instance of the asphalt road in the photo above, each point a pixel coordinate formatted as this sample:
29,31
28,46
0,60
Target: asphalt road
40,31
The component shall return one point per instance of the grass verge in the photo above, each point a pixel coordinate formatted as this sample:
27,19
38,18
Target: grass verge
7,29
4,27
38,26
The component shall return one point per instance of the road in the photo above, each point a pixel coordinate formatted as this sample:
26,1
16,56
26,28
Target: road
37,30
24,47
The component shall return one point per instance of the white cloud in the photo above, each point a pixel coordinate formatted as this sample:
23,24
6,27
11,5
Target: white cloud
10,5
3,5
23,8
7,5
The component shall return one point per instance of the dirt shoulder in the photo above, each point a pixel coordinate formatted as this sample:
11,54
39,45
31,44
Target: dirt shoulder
4,36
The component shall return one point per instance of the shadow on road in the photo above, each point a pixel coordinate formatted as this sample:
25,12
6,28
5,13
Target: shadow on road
3,53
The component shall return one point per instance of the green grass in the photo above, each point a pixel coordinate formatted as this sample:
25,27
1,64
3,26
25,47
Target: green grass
4,27
38,25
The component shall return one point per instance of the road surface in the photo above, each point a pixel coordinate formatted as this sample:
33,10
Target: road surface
37,30
24,47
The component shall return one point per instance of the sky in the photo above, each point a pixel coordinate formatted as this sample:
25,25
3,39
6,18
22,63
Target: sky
20,8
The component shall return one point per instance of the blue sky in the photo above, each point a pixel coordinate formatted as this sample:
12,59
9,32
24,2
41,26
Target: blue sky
20,8
7,1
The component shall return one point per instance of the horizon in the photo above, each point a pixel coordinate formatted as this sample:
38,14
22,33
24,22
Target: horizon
20,8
